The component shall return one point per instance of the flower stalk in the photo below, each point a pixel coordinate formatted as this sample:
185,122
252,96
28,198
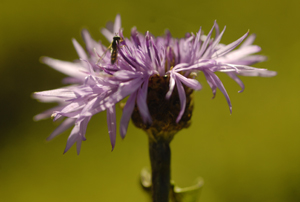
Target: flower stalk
160,157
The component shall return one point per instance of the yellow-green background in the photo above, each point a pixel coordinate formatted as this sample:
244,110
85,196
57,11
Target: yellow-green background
249,156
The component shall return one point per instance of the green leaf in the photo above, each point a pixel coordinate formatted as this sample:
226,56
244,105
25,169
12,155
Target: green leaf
177,194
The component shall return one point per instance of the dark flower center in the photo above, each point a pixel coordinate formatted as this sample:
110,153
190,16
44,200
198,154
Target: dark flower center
164,112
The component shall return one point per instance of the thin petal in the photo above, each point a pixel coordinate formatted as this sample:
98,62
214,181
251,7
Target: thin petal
73,137
250,60
217,30
83,127
108,35
68,68
91,44
126,115
191,83
205,43
117,24
240,53
211,83
126,89
237,80
78,146
72,107
111,124
123,91
180,66
249,41
265,73
47,113
58,115
61,128
221,87
91,103
110,26
62,93
81,138
80,51
229,47
212,47
125,74
201,65
171,85
142,102
182,99
71,80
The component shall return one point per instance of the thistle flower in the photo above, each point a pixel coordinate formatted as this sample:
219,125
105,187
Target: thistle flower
157,74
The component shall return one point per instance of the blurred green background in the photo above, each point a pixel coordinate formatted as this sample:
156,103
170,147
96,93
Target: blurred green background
252,155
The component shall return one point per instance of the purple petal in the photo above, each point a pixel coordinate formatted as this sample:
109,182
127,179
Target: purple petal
71,80
47,113
142,102
83,126
88,66
126,115
110,26
117,24
182,99
90,104
217,29
202,65
72,107
221,87
251,59
80,51
62,93
264,73
240,53
90,43
108,35
211,83
171,85
78,146
237,80
229,47
180,67
62,127
135,38
214,45
111,124
204,45
58,115
68,68
73,137
249,41
191,83
196,44
126,75
132,63
123,91
126,89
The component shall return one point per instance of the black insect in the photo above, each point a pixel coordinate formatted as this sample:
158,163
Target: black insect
113,50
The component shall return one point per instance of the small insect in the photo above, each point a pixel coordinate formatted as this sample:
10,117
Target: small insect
113,50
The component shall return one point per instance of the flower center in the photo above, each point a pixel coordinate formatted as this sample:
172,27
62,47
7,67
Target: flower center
164,112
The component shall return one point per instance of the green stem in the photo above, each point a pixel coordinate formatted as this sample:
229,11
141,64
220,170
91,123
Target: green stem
160,157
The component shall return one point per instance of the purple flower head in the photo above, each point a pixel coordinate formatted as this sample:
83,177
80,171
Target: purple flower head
157,74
